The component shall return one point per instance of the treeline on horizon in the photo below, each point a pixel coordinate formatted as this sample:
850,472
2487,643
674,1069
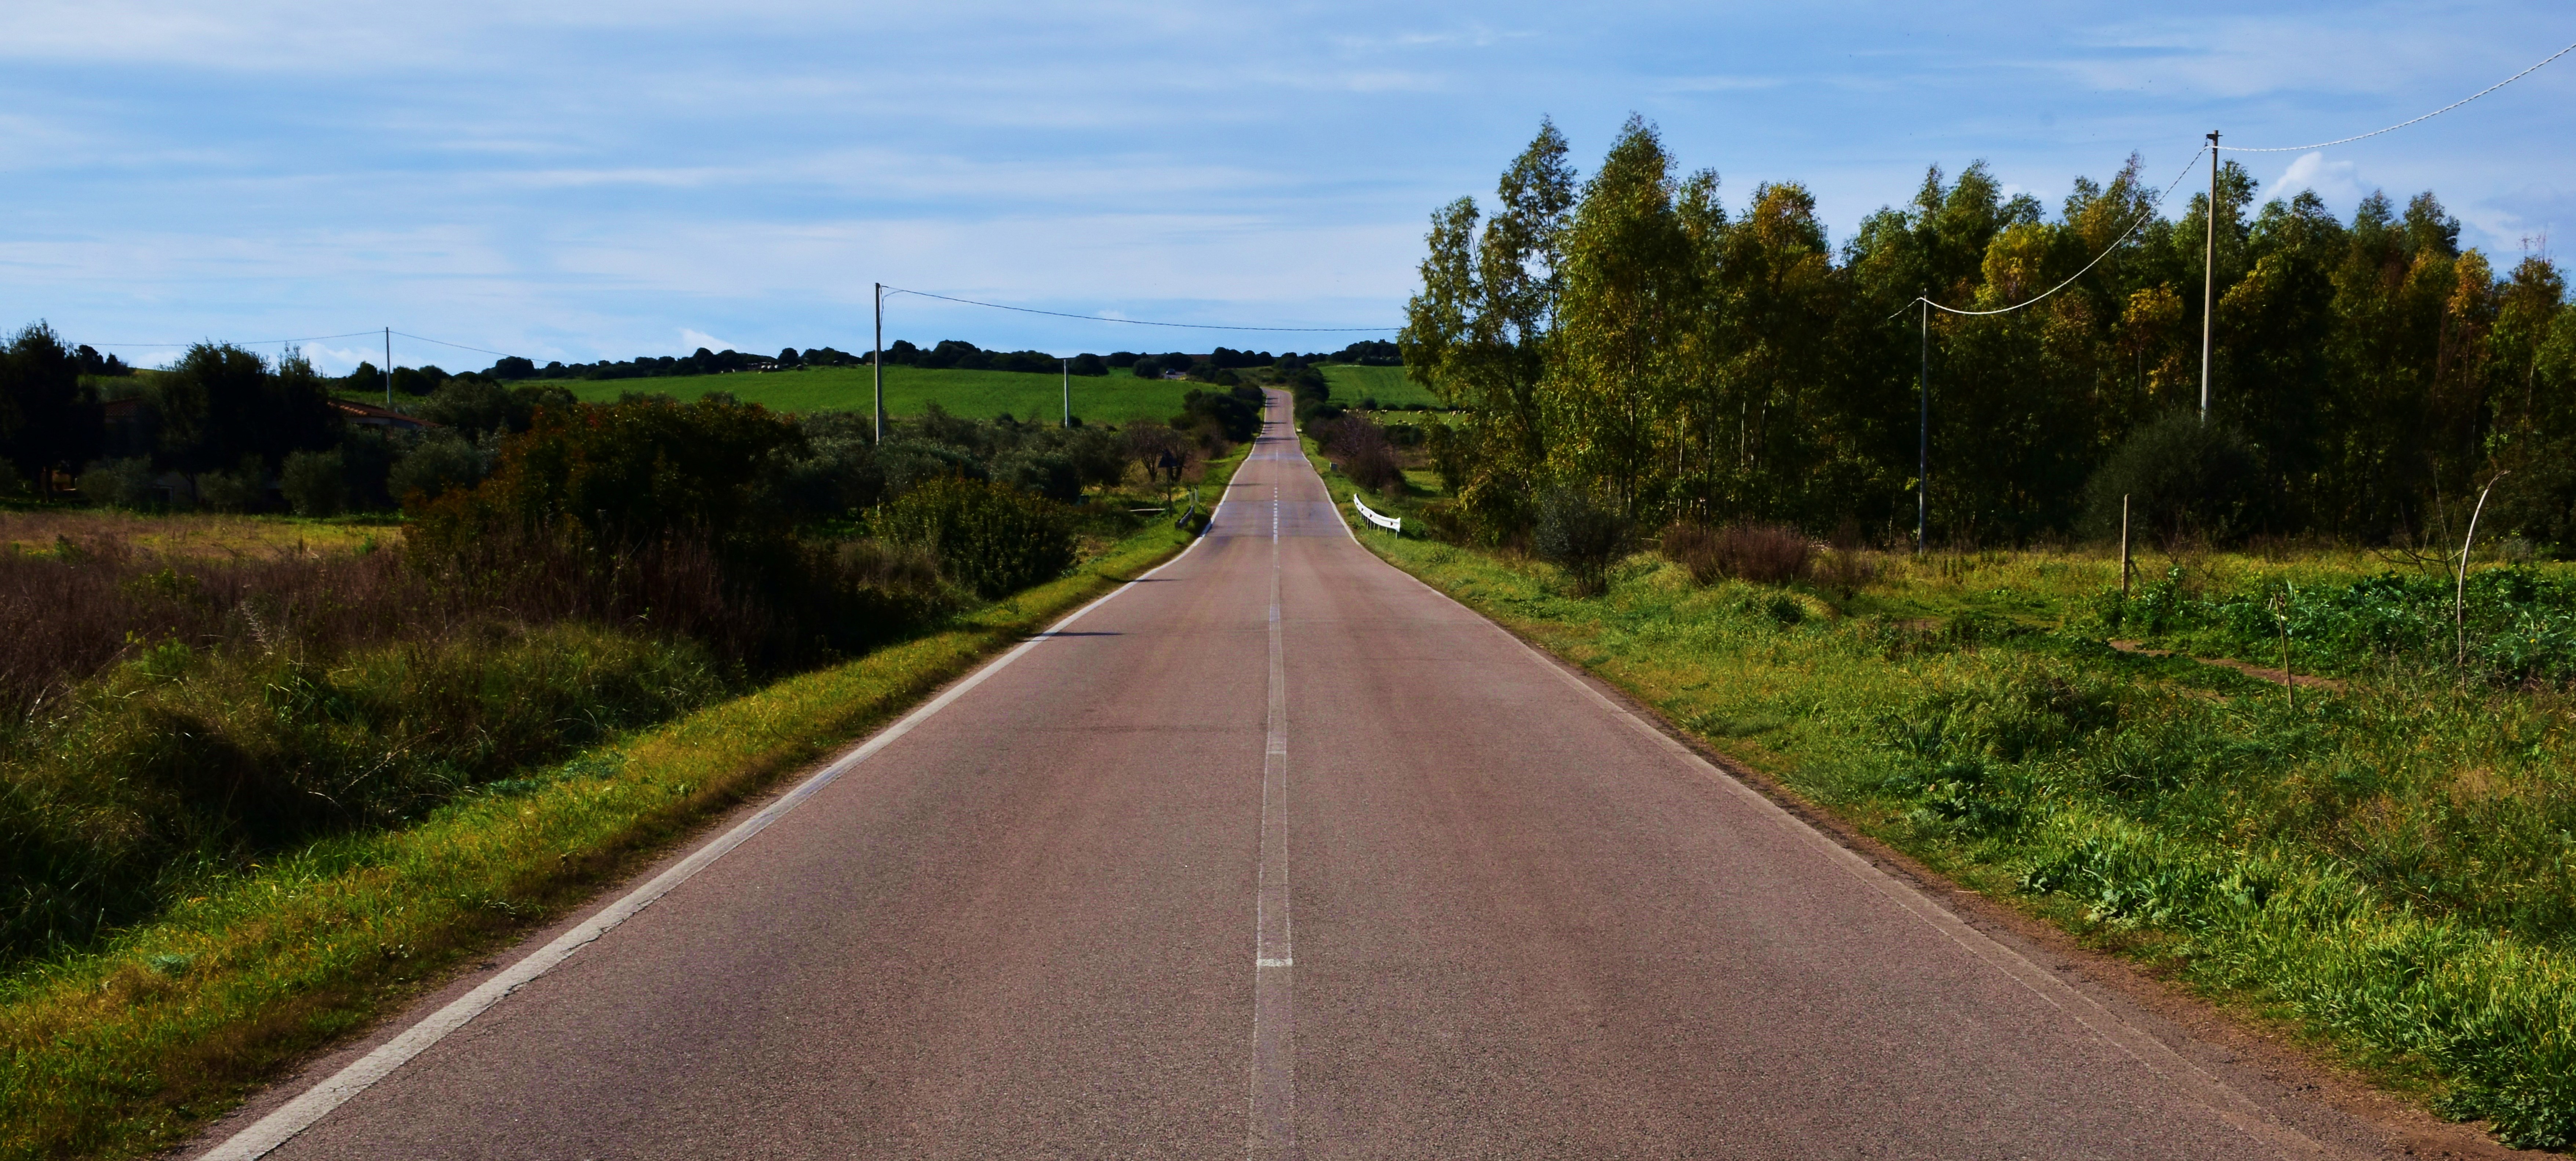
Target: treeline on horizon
947,354
1627,338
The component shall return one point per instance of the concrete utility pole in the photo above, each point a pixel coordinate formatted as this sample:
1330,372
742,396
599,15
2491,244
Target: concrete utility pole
1923,435
389,368
2209,279
879,362
1068,393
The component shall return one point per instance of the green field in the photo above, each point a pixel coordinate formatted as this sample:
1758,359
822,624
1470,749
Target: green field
1353,384
1115,398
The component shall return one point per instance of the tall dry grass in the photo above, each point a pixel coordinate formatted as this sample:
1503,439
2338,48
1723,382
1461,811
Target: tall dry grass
1768,554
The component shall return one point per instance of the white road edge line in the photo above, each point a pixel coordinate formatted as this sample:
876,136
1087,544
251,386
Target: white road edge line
295,1116
2154,1055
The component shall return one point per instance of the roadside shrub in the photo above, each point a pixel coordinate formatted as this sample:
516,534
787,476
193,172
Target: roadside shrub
122,483
1362,450
313,483
2183,477
627,474
989,538
1766,554
1042,474
1579,534
180,758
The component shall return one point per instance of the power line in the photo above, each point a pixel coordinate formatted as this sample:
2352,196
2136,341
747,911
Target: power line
458,346
2152,203
1137,321
247,343
2402,124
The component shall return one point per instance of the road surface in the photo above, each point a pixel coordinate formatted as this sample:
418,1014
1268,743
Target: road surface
1279,853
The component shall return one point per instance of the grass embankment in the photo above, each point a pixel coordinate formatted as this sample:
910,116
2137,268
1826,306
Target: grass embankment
2385,866
121,1050
1118,397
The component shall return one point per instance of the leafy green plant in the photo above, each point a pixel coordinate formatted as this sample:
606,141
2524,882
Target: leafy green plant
989,538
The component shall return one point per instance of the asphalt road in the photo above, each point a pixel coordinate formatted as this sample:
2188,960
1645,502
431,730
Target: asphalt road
1280,853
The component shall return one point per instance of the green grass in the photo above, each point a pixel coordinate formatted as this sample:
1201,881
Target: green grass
122,1050
1115,398
1353,384
2386,867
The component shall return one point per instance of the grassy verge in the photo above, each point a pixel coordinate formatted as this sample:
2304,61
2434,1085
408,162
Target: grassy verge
2385,866
122,1050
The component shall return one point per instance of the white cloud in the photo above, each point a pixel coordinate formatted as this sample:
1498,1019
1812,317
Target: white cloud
694,339
2336,181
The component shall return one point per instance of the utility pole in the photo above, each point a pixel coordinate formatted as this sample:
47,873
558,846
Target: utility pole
1068,393
879,362
1923,435
389,368
2209,279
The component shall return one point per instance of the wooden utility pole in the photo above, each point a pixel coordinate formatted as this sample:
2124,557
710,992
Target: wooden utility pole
879,362
389,368
2209,279
1068,393
1923,434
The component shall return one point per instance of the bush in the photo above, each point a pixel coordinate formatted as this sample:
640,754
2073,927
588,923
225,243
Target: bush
1233,415
237,490
1764,554
1363,452
990,538
441,461
125,483
1579,534
2183,477
183,757
314,483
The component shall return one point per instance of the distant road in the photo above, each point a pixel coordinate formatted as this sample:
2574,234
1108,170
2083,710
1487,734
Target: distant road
1280,853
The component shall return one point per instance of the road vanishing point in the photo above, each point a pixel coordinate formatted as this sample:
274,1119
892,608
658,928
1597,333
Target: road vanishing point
1276,852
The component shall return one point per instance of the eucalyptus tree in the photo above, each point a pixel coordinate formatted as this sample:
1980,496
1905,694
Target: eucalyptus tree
1478,332
1631,298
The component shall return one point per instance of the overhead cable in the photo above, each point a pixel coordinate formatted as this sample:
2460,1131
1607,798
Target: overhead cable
2402,124
1134,321
2152,203
458,346
247,343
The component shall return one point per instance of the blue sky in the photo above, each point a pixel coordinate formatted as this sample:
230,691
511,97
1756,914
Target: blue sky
577,180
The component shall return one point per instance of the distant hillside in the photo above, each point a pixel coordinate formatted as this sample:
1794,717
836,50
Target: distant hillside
1354,385
1114,398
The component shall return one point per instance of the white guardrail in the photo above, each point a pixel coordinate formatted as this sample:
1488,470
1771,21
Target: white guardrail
1390,523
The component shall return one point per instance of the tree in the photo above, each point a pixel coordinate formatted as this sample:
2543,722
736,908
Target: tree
47,422
222,403
1478,332
1630,294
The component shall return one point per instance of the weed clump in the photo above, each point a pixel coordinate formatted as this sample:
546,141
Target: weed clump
1763,554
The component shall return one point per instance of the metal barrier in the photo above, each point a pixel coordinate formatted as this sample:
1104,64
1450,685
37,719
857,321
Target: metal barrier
1184,522
1390,523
